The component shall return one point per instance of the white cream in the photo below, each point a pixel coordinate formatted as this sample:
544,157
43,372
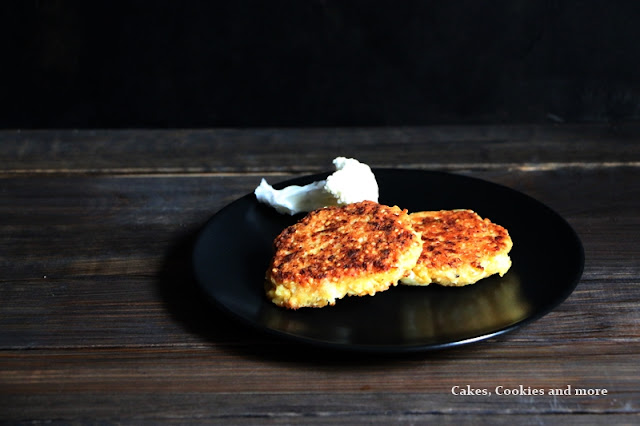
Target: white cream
352,182
294,199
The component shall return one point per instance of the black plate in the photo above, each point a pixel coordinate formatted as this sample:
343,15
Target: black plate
233,249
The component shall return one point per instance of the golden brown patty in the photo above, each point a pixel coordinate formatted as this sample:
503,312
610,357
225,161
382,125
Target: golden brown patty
358,249
459,248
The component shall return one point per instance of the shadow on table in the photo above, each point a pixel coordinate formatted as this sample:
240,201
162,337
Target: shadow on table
191,307
188,304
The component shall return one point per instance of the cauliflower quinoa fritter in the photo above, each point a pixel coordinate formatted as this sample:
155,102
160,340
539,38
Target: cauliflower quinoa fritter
358,249
459,248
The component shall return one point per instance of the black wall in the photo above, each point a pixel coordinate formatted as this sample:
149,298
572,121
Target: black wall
317,63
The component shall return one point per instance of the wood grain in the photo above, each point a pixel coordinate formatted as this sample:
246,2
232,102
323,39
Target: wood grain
311,150
101,319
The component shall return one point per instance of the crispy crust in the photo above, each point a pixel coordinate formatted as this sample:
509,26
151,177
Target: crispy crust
459,248
357,249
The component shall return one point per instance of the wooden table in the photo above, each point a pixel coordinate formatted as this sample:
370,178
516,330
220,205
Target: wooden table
100,318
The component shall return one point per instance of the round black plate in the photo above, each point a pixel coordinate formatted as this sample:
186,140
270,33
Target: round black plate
233,250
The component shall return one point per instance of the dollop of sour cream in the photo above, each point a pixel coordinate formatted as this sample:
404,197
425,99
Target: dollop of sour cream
352,182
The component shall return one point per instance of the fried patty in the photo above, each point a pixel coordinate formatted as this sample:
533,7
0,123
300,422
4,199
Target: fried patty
353,250
459,248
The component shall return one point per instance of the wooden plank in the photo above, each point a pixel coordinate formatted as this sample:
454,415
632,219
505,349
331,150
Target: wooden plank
322,408
285,369
236,386
311,150
78,201
132,312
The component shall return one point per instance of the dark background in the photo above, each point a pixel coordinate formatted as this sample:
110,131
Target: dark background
84,64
